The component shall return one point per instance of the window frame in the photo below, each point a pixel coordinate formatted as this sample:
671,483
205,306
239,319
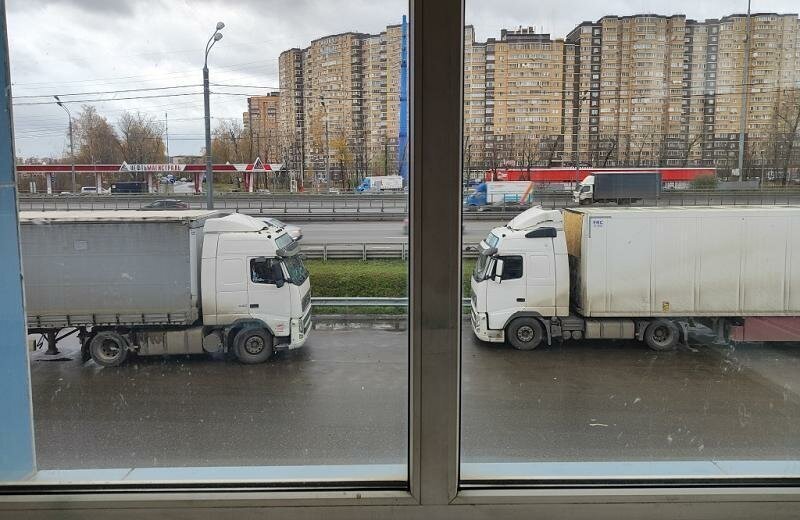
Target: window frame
436,41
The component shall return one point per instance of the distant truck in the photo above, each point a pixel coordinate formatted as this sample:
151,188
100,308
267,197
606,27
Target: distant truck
381,183
499,192
129,187
639,273
164,282
618,187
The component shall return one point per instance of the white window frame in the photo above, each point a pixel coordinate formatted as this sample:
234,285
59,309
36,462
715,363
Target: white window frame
435,326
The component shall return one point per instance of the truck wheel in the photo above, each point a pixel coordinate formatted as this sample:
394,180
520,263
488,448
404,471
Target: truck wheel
662,335
525,333
108,349
252,346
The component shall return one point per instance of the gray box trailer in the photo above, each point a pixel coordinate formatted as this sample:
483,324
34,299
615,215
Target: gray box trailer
90,268
622,186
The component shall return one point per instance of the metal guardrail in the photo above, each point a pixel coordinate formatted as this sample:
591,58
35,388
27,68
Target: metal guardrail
386,207
366,302
346,205
366,251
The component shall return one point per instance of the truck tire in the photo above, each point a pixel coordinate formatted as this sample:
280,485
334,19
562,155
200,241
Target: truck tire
662,335
108,348
252,345
525,333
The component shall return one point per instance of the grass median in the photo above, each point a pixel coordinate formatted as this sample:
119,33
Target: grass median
365,279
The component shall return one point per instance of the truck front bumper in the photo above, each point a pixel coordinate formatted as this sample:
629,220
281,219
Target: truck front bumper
481,328
300,329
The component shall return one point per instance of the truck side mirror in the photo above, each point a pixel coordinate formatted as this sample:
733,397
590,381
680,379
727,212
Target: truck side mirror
277,275
498,270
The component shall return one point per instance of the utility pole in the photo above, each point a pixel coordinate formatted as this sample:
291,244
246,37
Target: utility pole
385,156
581,99
327,149
166,129
217,36
745,86
71,147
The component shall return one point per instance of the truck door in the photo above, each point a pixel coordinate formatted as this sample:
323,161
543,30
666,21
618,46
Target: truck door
231,289
506,294
541,282
268,294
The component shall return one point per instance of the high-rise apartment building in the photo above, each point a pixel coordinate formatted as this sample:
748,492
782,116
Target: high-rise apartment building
641,90
290,107
261,126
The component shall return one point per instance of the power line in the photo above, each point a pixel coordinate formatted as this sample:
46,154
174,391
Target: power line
107,100
143,89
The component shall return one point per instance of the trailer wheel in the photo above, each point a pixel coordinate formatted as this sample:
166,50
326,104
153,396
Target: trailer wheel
108,349
252,345
525,333
662,335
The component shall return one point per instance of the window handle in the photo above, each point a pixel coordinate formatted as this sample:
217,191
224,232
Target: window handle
520,299
254,306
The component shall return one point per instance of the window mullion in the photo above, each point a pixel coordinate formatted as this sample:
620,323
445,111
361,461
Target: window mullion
435,193
16,436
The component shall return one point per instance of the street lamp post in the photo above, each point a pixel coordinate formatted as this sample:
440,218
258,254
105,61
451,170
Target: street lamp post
71,147
581,99
217,36
327,149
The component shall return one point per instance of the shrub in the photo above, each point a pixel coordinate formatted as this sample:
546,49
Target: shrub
704,182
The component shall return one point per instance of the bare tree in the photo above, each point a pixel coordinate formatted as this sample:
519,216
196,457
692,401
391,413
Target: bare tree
785,140
96,141
141,139
230,143
690,143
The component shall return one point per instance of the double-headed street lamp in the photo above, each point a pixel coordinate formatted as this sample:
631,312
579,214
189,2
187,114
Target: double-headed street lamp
71,147
217,36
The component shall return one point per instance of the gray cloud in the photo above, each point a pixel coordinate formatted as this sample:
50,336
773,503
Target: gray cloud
110,7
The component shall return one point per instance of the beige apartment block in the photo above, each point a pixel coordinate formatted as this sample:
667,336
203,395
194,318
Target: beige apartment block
290,107
528,96
476,124
345,102
261,127
622,91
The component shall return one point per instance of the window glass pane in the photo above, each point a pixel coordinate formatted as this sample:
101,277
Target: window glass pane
269,331
629,172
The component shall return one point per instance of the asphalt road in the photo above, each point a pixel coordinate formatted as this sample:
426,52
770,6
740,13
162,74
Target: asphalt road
376,232
343,399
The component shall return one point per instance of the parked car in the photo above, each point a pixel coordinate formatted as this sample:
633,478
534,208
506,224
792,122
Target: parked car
296,232
165,204
88,190
333,191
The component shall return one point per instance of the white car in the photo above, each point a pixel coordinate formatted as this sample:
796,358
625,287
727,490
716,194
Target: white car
293,231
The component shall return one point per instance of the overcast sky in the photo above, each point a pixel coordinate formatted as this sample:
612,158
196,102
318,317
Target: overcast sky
88,46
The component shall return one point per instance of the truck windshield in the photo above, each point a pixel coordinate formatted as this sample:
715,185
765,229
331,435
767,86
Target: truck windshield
296,269
481,265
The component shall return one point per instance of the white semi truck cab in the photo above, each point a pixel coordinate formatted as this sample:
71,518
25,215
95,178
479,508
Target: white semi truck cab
521,277
639,273
252,273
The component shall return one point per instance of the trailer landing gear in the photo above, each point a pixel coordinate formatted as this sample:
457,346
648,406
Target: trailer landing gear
51,338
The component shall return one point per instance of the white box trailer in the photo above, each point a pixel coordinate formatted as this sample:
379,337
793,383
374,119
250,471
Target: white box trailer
644,273
723,261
